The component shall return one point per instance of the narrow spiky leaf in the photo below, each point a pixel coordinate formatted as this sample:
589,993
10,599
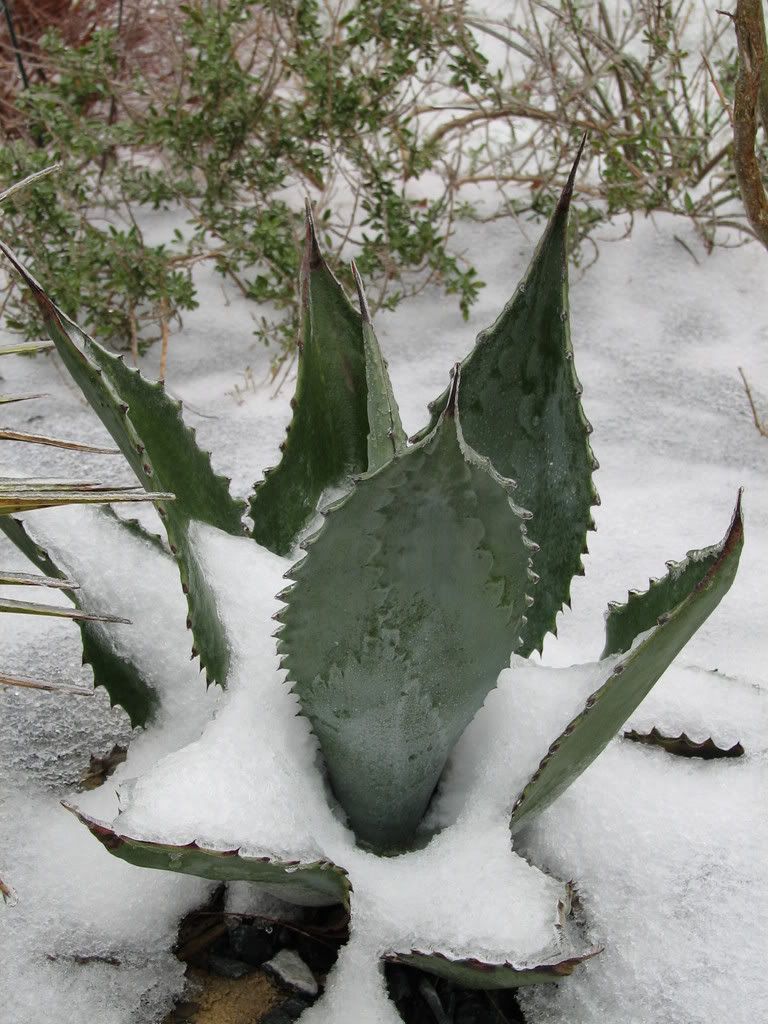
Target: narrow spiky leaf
391,666
629,680
37,684
624,622
11,606
479,974
26,579
521,407
55,442
8,399
117,674
317,883
24,348
24,496
327,440
147,425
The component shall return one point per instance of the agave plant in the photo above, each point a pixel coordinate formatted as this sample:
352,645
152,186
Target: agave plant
443,558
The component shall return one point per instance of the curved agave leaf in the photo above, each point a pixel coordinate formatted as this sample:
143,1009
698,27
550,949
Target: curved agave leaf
521,407
684,746
392,664
625,622
630,680
478,974
116,673
148,428
319,883
337,404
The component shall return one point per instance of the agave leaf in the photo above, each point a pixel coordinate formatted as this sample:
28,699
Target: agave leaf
630,680
55,442
319,883
117,674
625,622
36,684
23,348
26,579
521,408
386,436
24,496
148,428
684,746
478,974
10,605
391,665
327,440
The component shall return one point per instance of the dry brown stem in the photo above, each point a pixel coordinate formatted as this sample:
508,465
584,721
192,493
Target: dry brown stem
749,103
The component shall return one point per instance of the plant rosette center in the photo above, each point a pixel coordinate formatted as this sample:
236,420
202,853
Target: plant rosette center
251,784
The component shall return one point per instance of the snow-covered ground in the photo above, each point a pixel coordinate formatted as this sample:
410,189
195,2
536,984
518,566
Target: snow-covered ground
667,853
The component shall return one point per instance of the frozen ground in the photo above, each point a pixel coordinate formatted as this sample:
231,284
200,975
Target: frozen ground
667,853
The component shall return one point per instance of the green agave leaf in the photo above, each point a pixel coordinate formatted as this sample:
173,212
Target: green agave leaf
319,883
24,496
340,378
147,425
630,680
478,974
521,407
36,684
55,442
392,664
116,673
684,746
624,622
55,611
386,437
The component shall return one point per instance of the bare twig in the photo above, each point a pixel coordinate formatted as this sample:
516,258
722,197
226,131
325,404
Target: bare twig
760,424
164,337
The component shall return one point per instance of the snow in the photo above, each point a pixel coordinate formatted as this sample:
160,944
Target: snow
667,853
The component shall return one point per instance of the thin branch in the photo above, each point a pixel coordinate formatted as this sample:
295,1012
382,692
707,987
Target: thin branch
760,424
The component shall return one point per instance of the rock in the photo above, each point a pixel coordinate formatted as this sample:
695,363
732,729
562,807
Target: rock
226,967
251,943
293,972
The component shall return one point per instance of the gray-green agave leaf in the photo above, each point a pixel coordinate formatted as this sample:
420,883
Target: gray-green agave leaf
402,614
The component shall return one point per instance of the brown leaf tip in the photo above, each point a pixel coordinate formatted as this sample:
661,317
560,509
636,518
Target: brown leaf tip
312,255
364,310
453,393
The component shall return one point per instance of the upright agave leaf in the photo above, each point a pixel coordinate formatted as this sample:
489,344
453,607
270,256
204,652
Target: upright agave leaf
148,428
404,610
118,675
521,407
336,407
